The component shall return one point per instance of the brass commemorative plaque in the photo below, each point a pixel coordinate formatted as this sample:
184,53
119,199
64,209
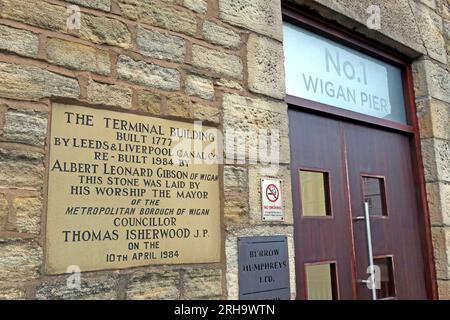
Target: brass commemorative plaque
126,190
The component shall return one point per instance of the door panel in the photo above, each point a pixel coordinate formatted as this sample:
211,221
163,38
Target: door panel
347,153
386,154
321,239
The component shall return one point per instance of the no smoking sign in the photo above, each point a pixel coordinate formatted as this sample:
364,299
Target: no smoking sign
271,200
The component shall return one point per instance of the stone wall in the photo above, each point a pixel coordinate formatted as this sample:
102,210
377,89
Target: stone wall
216,61
220,61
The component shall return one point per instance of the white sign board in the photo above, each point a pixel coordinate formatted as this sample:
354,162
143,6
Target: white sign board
271,200
325,71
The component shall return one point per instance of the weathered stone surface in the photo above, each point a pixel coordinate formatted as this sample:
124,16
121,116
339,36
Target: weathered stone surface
21,169
28,214
444,289
231,252
154,286
78,56
206,113
202,283
148,74
431,80
32,83
35,12
235,195
98,288
111,95
22,42
430,3
434,117
398,23
104,30
25,126
178,105
104,5
219,35
438,197
3,211
430,26
255,173
441,244
161,46
447,29
265,62
200,87
219,62
199,6
230,84
150,102
436,159
12,294
19,261
257,15
247,124
159,15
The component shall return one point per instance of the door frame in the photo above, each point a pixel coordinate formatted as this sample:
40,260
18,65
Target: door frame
330,30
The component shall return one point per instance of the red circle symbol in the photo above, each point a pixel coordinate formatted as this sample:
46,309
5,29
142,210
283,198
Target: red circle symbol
272,193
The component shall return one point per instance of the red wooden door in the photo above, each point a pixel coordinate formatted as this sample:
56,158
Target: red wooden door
336,168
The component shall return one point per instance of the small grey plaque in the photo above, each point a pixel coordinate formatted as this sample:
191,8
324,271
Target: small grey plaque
263,268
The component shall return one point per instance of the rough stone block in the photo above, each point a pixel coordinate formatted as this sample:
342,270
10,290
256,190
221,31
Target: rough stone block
147,74
206,113
216,61
4,211
179,106
438,197
78,56
431,31
199,6
103,30
19,261
398,23
32,83
441,244
111,95
436,159
22,42
104,5
161,46
21,169
256,130
219,35
265,62
154,286
25,126
202,283
36,13
12,294
148,101
433,116
159,15
431,80
257,15
28,214
444,289
92,288
235,195
200,87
